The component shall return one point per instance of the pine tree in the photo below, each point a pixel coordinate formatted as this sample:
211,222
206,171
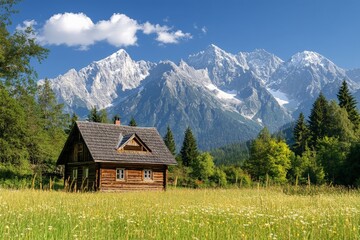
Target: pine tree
73,120
347,101
338,123
132,122
353,165
51,112
189,151
301,135
94,115
169,141
103,116
318,119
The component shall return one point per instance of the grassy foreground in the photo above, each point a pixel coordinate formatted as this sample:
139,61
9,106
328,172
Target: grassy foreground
179,214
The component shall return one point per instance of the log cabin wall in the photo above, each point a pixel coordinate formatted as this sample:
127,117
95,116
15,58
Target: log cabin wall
133,179
81,182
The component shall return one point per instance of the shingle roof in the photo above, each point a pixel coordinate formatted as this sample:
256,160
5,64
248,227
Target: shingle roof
102,140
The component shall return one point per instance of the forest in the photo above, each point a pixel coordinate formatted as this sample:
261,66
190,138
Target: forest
325,148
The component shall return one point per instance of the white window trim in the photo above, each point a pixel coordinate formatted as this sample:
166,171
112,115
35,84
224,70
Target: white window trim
148,175
123,177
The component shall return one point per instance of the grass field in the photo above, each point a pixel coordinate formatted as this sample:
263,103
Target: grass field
180,214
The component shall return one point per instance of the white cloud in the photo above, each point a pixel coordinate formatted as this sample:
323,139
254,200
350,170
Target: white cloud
72,29
172,37
119,31
204,30
77,29
26,24
164,33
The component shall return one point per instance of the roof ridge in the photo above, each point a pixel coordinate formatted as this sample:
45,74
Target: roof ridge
110,124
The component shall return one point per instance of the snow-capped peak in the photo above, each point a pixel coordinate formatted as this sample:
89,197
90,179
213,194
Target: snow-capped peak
262,63
307,58
101,82
211,54
223,67
119,56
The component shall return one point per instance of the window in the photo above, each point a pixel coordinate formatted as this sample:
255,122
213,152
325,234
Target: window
120,174
147,174
85,173
80,152
74,174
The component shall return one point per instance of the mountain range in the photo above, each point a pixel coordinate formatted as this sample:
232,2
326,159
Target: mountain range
223,97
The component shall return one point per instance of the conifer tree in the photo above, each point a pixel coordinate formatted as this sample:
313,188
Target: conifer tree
51,112
353,165
132,122
103,116
94,115
73,120
318,119
169,141
301,135
338,123
347,101
189,151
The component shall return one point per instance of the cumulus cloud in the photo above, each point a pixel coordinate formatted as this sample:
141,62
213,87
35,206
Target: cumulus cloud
77,29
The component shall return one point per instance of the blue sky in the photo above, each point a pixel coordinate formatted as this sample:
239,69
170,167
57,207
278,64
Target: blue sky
79,32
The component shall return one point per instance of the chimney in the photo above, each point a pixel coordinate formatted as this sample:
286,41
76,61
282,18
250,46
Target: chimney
117,121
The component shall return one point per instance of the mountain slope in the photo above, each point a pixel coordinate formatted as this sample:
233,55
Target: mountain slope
304,76
232,73
223,97
354,74
175,96
101,83
262,63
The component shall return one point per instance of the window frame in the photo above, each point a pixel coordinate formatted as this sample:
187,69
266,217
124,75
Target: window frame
148,175
85,170
80,152
118,175
74,173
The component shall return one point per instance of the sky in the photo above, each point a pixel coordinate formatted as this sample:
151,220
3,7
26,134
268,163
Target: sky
82,31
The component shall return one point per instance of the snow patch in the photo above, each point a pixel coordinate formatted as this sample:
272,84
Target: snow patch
280,97
220,93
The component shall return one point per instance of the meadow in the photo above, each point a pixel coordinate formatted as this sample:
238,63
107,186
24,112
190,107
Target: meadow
257,213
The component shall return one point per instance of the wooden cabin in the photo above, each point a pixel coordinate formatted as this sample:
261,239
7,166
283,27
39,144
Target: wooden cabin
112,157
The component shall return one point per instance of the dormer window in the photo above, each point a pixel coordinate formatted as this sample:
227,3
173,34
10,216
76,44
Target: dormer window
131,143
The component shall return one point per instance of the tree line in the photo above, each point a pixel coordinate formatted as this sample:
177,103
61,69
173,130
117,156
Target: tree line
326,149
34,127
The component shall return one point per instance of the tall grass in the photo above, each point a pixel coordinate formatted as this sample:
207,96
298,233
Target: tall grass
180,214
